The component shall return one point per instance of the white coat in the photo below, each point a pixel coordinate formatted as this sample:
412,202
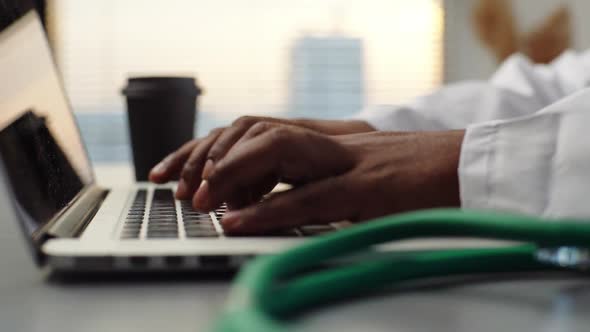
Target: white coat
527,142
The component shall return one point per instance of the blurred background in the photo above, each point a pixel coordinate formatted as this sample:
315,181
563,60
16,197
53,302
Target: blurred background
291,58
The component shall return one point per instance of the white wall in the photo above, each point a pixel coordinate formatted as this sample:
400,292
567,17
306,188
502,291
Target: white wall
465,58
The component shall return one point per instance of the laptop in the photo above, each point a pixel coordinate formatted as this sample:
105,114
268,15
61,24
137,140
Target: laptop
70,222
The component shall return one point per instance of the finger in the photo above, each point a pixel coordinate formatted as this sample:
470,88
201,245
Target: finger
190,175
256,130
282,152
244,128
251,195
169,168
229,137
261,128
329,200
256,191
229,180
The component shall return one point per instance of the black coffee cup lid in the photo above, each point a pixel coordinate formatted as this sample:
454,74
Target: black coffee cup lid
155,85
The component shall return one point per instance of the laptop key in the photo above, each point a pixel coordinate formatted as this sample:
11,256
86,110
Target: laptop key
162,226
134,219
162,235
162,215
162,229
197,226
314,230
283,233
197,220
131,230
194,214
154,214
130,235
163,210
162,222
156,207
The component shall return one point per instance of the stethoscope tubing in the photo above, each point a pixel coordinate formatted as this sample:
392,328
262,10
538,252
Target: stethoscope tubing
273,286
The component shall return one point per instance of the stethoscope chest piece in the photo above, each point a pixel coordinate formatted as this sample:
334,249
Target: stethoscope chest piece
566,257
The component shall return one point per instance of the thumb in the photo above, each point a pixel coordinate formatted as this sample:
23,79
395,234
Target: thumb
325,201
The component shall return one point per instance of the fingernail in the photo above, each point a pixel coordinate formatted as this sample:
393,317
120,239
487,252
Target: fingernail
181,190
201,199
231,220
207,169
159,168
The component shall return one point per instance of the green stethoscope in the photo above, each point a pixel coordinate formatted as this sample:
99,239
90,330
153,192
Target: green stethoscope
273,287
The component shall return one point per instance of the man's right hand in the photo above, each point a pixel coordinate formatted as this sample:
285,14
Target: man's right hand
189,162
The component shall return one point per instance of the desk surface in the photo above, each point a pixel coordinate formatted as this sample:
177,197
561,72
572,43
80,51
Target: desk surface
32,301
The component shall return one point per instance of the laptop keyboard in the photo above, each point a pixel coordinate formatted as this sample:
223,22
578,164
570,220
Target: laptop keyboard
135,216
196,224
156,217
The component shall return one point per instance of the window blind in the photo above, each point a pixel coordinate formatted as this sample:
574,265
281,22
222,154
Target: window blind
272,57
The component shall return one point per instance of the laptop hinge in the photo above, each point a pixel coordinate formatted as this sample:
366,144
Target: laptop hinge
74,220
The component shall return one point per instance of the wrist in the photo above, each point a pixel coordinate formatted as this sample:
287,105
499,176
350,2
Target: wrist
448,180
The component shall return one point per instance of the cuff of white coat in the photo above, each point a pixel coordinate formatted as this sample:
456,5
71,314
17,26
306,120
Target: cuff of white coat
507,164
477,153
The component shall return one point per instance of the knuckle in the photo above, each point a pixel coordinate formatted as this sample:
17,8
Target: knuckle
215,149
223,169
187,146
216,131
187,171
245,121
260,127
280,135
214,152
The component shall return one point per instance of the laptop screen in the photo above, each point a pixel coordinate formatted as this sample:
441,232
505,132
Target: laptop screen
44,159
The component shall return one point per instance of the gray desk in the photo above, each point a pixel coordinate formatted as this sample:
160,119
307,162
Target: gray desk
31,301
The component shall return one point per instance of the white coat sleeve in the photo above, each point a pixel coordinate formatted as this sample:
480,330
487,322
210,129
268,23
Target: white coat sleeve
518,88
537,164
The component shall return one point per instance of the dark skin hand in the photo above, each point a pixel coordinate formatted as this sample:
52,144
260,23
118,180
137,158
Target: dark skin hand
188,162
336,177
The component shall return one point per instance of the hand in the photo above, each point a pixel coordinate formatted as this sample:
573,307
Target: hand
350,177
190,161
